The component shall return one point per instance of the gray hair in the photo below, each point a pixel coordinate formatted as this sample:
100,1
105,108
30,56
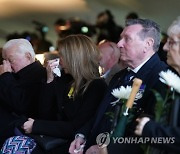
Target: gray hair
174,27
23,46
150,29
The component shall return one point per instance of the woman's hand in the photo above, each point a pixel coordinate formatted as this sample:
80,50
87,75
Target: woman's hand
51,64
77,146
141,124
27,126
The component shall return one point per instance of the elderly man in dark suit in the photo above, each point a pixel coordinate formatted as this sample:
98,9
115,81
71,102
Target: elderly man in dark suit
20,82
138,45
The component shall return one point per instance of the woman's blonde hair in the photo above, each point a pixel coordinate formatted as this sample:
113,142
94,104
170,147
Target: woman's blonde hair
81,57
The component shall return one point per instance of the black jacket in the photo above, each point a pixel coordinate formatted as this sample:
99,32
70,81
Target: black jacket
19,92
62,115
19,97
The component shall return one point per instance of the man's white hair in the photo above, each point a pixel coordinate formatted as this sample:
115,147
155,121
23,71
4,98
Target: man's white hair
23,46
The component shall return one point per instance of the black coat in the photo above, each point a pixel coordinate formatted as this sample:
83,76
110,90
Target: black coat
66,115
19,95
20,92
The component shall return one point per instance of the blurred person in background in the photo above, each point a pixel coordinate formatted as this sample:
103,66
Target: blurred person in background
73,25
132,15
109,60
107,27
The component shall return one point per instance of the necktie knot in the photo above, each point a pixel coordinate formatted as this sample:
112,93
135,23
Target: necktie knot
128,77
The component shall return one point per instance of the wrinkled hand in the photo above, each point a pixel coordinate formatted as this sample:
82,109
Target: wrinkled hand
27,126
76,144
93,150
51,64
5,67
141,124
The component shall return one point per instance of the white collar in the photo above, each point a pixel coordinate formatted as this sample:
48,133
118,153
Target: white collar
138,68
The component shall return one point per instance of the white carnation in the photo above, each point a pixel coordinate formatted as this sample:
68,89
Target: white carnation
170,79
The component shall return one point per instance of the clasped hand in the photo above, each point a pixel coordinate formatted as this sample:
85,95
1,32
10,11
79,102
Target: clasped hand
141,124
27,126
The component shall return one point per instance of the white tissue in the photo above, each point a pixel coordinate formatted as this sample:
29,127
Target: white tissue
56,70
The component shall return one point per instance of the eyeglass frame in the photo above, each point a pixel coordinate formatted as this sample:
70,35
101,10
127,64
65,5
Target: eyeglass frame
170,42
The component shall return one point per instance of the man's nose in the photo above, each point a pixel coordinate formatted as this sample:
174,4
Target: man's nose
120,44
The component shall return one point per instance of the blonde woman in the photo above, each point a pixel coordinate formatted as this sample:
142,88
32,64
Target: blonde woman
70,101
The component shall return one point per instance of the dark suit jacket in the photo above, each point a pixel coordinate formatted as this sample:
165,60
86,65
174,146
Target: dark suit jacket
149,74
66,115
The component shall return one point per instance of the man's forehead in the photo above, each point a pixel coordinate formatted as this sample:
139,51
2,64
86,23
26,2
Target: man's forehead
135,27
11,54
131,30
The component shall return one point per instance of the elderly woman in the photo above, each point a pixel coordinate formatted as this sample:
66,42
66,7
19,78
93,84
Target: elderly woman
171,130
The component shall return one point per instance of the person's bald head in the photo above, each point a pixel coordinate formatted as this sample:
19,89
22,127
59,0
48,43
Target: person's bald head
109,54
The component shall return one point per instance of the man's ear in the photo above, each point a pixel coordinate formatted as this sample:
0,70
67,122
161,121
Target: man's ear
149,44
29,57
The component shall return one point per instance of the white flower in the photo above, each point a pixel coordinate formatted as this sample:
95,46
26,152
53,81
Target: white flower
121,93
170,79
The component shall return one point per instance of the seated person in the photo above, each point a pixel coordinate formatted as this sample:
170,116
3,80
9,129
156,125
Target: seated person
170,127
20,82
70,101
